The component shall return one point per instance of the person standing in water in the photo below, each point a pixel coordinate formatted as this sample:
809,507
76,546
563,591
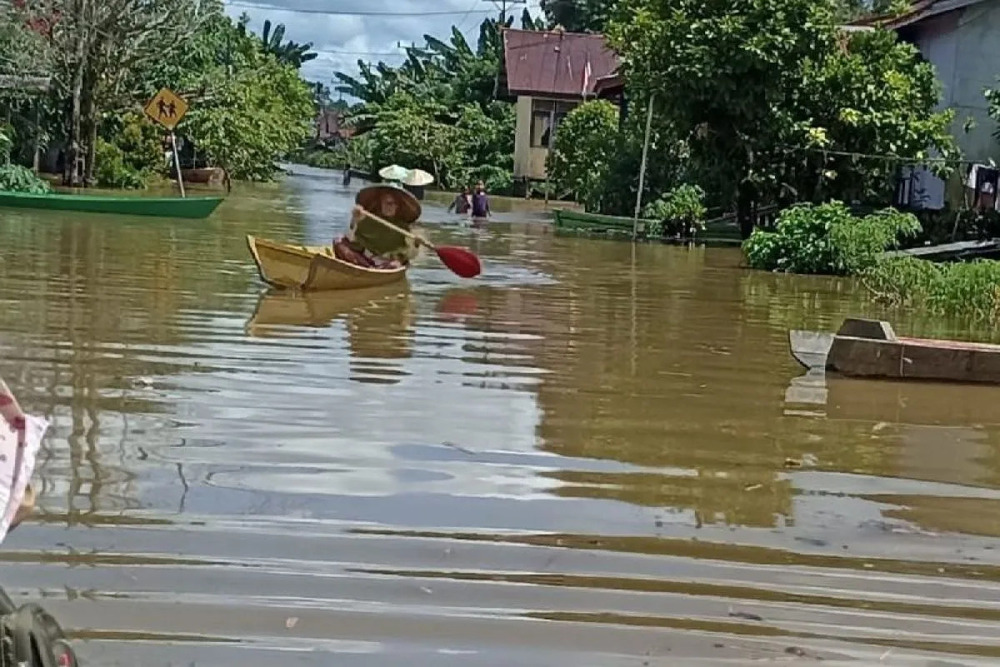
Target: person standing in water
480,202
462,202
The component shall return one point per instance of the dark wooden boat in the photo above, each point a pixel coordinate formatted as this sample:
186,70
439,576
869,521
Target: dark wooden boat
205,175
871,349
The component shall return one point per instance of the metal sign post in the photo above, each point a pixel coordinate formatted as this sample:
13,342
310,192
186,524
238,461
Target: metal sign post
177,163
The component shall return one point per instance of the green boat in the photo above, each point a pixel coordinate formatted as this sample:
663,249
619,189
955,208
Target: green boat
167,207
721,231
572,220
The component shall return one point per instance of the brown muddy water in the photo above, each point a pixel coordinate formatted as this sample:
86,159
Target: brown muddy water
594,455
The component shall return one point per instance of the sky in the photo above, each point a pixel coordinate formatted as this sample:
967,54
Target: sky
342,31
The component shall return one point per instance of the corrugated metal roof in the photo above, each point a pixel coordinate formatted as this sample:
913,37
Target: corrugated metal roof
918,11
612,84
555,63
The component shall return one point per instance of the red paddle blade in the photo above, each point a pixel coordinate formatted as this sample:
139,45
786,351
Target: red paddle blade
460,260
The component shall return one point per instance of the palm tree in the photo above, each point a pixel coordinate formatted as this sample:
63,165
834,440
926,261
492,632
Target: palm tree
289,53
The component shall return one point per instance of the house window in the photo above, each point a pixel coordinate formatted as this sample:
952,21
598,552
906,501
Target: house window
545,118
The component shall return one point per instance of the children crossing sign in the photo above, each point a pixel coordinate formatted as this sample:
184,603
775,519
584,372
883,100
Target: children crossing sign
166,108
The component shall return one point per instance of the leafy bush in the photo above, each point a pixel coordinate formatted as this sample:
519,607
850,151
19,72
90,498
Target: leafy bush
15,178
496,179
141,142
112,170
583,151
860,243
128,153
680,211
967,288
826,239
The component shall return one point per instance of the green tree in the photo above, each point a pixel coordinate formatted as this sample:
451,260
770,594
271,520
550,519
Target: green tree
416,133
102,46
756,86
584,151
286,53
438,111
22,45
878,97
253,117
486,146
578,15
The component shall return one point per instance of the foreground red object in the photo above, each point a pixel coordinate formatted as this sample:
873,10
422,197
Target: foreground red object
461,261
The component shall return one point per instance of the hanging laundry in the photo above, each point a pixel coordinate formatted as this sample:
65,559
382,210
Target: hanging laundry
983,181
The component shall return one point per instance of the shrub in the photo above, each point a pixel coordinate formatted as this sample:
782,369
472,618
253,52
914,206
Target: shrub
967,288
858,244
112,171
15,178
826,239
680,211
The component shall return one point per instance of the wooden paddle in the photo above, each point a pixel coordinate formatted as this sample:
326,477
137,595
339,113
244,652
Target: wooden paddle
461,261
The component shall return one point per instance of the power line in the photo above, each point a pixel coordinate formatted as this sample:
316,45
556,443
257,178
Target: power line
465,17
335,12
927,160
363,53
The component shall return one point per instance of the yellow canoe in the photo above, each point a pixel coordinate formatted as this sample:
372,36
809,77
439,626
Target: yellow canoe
314,268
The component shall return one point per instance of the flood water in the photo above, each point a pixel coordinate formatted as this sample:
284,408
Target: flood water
593,455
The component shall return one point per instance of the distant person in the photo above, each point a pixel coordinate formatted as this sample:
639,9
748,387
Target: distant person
347,175
462,203
480,202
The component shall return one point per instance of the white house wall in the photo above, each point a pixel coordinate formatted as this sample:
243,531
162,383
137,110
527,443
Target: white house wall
529,161
522,138
964,48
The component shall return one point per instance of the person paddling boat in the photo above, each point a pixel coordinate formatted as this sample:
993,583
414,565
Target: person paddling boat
373,245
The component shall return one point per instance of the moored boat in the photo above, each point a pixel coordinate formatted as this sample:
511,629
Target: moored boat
167,207
719,231
871,349
314,268
205,175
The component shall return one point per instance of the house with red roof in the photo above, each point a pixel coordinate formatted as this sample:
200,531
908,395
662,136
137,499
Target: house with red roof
549,73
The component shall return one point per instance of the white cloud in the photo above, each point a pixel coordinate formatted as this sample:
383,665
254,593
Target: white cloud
341,39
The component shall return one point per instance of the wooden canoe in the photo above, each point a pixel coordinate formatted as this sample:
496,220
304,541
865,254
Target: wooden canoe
871,349
206,175
314,268
166,207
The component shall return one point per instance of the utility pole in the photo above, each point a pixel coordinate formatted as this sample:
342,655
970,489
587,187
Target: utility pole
500,27
503,8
